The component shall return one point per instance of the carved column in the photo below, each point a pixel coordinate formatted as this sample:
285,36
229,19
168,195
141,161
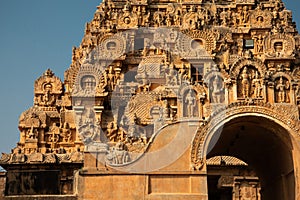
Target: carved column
271,92
98,111
227,86
42,141
22,136
293,93
234,90
78,114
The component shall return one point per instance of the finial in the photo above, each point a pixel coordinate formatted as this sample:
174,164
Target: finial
48,73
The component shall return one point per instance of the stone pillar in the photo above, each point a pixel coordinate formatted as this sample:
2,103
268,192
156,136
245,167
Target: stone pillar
234,90
78,112
293,94
271,92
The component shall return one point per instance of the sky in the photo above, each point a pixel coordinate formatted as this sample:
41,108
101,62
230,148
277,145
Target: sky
36,35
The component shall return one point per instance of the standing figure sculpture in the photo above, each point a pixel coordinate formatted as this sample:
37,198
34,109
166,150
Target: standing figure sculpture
260,44
111,78
281,87
112,132
190,100
217,89
245,83
256,82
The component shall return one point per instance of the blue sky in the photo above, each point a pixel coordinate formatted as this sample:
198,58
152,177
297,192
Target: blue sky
36,35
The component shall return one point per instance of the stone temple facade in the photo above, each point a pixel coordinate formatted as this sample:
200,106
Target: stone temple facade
167,99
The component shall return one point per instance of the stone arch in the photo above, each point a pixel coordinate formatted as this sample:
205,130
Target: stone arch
296,73
287,45
89,71
111,46
197,88
208,38
237,67
283,127
95,75
241,108
213,73
48,78
279,74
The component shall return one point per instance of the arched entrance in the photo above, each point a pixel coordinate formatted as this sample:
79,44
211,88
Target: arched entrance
264,145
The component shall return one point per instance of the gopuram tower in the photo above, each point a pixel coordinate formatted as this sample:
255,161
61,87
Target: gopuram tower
167,100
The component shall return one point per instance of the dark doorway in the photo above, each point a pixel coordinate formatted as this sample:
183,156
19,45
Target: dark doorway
216,193
265,146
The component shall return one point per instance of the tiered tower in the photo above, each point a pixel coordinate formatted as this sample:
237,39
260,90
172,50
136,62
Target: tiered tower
144,97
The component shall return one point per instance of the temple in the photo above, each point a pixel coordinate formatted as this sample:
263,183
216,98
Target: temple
167,99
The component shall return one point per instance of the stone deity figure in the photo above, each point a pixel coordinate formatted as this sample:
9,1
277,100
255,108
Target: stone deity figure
112,132
245,14
158,18
111,78
18,157
66,133
47,98
146,20
90,116
281,87
223,17
260,44
168,20
190,100
54,133
245,82
32,133
256,82
172,76
177,19
217,90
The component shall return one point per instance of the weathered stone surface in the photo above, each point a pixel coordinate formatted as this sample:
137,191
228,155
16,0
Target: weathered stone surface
157,94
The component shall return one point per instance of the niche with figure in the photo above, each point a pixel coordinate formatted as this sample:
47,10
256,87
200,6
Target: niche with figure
282,90
216,89
250,83
190,104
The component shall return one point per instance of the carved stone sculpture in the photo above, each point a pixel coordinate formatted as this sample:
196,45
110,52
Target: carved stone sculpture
147,69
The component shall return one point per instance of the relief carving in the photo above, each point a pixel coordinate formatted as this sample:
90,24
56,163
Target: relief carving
217,92
280,45
250,84
141,79
282,87
47,89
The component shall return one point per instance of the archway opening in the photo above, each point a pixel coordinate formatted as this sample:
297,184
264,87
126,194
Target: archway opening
265,146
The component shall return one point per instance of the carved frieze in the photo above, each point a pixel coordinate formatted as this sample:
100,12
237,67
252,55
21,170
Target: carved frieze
197,44
286,117
261,18
112,46
280,45
143,65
